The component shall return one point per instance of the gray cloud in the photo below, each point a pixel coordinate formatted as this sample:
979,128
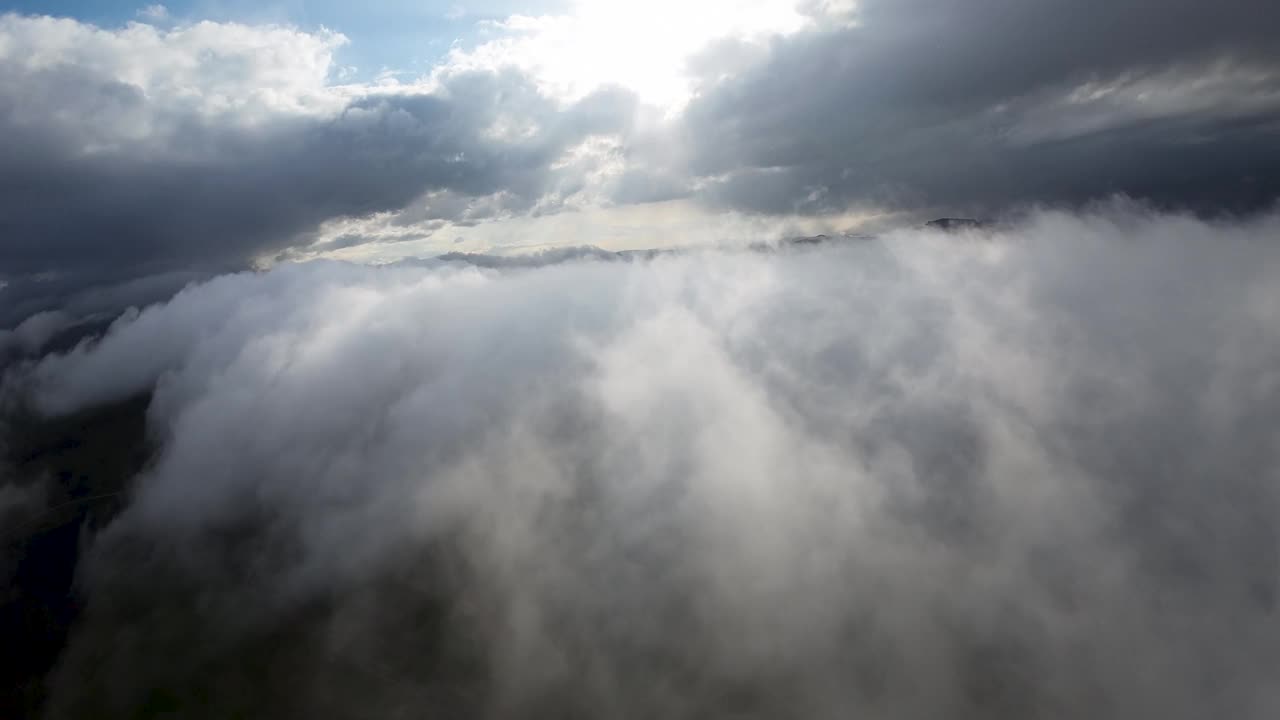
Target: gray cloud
104,179
981,106
1024,473
257,191
140,152
1029,476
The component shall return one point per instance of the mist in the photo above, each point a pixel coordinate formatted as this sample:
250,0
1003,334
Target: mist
1022,472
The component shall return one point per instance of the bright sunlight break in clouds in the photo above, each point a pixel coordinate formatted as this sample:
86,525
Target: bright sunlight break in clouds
646,48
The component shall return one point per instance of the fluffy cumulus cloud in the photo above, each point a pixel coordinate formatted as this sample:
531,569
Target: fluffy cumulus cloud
1023,474
142,151
643,47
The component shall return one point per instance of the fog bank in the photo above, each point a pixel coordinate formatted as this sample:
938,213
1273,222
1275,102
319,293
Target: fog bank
1026,473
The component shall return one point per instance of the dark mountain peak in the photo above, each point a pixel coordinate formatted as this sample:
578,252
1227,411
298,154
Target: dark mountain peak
956,224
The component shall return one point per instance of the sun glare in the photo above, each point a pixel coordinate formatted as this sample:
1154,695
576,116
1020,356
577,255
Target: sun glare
642,47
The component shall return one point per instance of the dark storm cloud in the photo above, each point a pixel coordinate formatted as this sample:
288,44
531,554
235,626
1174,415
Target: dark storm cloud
101,183
982,105
250,191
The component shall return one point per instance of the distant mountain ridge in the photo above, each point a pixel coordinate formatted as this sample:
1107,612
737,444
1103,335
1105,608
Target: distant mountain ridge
957,224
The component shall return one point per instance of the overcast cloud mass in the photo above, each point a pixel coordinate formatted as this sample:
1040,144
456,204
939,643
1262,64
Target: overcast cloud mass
497,384
171,144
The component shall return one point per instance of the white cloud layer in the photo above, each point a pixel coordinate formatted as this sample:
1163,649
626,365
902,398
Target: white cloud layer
239,74
1026,474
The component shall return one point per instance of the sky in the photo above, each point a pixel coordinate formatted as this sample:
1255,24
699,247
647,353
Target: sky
397,35
141,141
324,393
